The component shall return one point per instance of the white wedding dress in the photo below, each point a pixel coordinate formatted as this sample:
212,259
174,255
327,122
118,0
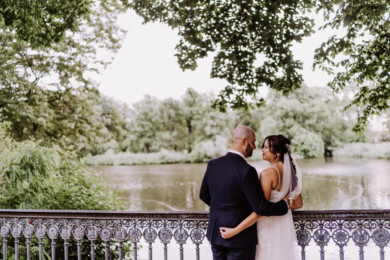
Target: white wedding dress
276,234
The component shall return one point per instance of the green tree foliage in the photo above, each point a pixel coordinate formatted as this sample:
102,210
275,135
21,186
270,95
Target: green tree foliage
114,117
43,22
192,104
36,177
59,117
237,33
251,43
45,89
143,130
175,124
32,175
202,123
312,118
363,52
172,128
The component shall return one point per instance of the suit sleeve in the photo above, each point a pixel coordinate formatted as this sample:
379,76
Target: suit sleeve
255,195
204,193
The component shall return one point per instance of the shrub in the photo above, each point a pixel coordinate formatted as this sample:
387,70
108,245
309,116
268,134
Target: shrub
37,177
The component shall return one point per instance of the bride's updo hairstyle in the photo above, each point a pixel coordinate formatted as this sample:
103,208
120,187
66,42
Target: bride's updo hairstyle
281,144
278,144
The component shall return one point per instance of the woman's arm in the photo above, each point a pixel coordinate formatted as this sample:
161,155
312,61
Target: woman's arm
267,180
231,232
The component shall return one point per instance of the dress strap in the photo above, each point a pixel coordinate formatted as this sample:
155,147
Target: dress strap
278,174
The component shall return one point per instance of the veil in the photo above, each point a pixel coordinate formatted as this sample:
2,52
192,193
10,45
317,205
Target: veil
292,180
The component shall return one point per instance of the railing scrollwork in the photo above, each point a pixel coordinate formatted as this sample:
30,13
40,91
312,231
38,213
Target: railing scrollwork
343,226
314,228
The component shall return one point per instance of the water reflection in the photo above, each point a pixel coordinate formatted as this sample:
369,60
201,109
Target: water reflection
327,184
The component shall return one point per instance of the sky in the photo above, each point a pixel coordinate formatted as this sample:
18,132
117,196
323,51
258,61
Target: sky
147,65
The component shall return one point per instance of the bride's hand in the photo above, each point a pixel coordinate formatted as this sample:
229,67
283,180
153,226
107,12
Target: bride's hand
227,232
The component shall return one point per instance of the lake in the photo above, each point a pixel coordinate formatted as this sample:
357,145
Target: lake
331,183
335,183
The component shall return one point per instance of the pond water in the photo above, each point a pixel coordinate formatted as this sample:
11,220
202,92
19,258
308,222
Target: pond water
335,183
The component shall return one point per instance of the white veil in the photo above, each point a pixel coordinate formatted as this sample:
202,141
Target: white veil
292,180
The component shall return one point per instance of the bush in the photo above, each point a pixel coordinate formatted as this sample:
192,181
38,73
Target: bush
37,177
33,175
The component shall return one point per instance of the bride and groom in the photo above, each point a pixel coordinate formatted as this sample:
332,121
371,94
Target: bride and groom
238,199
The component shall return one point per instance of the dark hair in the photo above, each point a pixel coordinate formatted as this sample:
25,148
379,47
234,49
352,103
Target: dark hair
278,144
281,144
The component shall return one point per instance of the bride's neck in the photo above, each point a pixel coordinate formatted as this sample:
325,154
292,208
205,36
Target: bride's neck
277,164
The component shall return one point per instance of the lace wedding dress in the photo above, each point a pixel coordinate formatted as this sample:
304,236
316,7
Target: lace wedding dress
276,234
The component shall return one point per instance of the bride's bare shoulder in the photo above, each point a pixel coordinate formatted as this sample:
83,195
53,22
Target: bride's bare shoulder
269,173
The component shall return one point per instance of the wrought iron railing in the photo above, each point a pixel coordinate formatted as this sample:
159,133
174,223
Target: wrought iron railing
341,226
150,228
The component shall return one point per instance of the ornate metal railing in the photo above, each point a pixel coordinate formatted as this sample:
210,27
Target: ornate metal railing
341,226
108,227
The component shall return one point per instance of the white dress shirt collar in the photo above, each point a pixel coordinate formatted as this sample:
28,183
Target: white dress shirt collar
237,152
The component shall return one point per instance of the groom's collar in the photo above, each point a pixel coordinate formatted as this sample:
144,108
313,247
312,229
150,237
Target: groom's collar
237,152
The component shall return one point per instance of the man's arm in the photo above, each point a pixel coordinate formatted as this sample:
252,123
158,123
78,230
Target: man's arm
255,196
204,193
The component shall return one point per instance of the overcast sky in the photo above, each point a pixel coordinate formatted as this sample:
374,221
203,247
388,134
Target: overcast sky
146,64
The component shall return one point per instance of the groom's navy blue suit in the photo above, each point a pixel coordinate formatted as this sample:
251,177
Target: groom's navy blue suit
232,189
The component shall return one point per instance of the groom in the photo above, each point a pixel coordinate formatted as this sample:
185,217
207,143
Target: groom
232,189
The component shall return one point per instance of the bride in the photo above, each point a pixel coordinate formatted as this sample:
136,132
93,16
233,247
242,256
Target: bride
281,179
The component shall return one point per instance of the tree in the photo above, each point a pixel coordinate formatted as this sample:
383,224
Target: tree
171,125
143,129
45,86
311,117
36,177
194,107
366,50
42,23
58,117
191,105
237,32
114,116
251,42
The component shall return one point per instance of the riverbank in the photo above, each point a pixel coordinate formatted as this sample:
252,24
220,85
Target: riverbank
357,150
128,158
163,157
365,150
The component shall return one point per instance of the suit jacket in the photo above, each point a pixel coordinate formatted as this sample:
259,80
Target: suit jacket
232,189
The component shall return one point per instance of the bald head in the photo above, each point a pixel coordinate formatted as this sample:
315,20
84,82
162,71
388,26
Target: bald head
241,132
243,140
